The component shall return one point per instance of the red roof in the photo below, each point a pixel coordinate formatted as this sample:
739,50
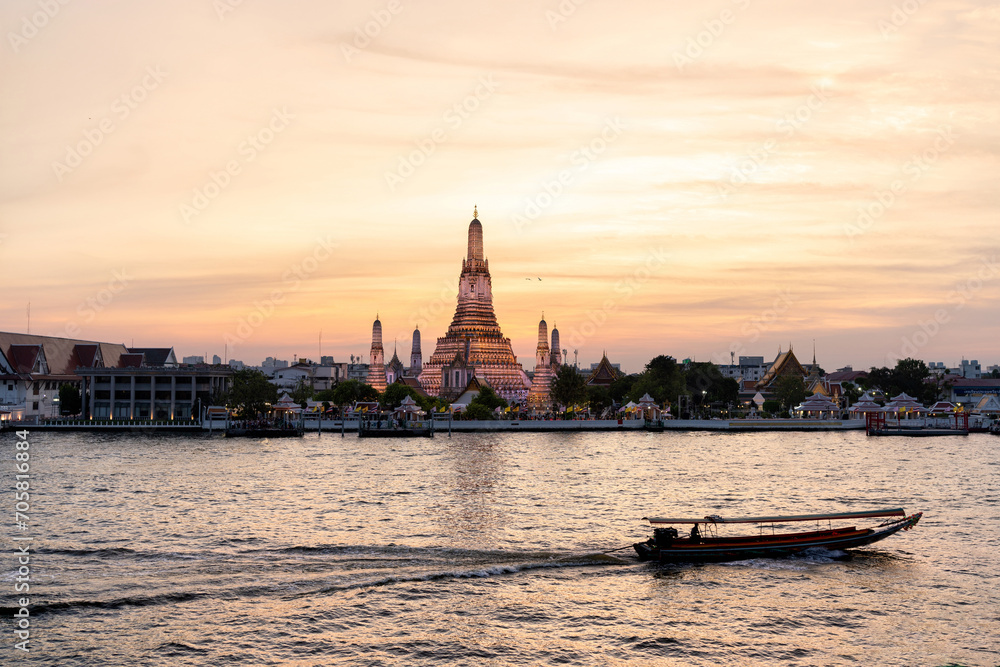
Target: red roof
23,357
63,355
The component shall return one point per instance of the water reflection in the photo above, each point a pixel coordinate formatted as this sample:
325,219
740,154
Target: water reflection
472,487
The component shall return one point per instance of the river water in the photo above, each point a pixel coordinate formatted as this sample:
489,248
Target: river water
485,549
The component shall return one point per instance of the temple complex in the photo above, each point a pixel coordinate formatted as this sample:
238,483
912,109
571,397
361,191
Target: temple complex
376,365
474,344
541,382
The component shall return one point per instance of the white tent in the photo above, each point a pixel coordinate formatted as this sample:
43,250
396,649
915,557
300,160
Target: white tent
818,404
864,405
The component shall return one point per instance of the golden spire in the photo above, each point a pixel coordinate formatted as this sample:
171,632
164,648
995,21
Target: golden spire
475,211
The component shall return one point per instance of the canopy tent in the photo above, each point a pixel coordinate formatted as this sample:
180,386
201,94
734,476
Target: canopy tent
819,405
649,408
904,403
408,410
864,405
285,405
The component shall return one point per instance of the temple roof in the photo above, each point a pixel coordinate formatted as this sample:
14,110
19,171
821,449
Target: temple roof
604,374
62,356
785,364
156,356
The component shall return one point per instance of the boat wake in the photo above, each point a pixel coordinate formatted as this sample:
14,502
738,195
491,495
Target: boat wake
293,572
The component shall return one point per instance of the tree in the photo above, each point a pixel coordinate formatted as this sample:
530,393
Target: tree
489,399
662,379
569,388
394,394
851,392
252,393
790,390
910,376
69,400
302,392
478,411
325,396
351,391
621,387
599,399
705,381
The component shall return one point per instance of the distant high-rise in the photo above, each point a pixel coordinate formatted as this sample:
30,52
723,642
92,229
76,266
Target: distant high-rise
376,366
474,346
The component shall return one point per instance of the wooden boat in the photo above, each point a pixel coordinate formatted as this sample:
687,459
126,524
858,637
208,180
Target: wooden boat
704,544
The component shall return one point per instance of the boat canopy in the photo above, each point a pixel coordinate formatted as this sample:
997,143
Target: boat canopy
871,514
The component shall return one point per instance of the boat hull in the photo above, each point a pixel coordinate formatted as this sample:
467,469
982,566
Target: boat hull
720,550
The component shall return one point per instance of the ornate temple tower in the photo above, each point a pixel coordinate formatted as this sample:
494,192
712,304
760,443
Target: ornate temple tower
394,369
416,357
376,366
541,383
474,339
556,352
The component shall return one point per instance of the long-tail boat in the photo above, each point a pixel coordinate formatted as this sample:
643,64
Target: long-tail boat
705,544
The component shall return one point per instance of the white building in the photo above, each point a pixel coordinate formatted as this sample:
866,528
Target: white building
749,369
319,378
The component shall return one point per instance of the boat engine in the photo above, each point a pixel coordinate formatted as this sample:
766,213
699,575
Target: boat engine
664,537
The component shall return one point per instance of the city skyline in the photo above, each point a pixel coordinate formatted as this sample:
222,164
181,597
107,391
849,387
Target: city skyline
234,179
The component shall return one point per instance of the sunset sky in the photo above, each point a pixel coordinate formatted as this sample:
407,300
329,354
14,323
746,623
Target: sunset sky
657,177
